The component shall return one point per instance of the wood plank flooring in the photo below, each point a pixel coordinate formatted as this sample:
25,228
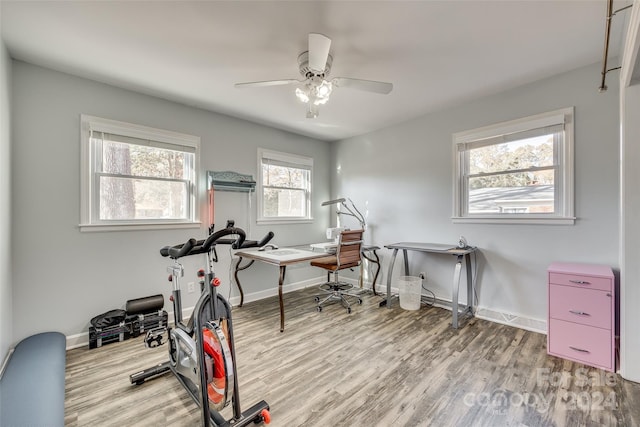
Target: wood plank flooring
374,367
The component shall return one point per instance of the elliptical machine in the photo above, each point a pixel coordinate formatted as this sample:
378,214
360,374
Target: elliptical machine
202,352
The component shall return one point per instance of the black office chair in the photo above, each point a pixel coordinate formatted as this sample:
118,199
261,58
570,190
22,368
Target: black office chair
347,256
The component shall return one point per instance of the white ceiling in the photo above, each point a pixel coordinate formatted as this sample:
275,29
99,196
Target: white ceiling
436,53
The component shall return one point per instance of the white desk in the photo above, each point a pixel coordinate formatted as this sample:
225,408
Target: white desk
287,256
279,257
461,254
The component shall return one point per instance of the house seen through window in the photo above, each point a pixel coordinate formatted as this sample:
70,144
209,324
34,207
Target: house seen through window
513,177
520,170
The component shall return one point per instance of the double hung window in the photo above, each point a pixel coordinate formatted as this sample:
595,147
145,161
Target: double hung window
137,176
284,186
518,171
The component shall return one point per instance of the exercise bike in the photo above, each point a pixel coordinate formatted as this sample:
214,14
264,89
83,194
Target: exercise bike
202,351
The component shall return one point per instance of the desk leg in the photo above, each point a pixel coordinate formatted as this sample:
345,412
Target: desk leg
470,293
235,274
406,262
377,263
387,301
283,269
456,289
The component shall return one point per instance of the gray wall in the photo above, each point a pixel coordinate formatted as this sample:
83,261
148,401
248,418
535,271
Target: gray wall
63,277
404,175
6,312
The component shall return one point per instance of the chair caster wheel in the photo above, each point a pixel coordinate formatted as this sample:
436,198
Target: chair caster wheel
359,301
319,308
348,310
317,299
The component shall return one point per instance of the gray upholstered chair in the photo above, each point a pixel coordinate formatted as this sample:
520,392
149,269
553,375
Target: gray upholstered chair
347,256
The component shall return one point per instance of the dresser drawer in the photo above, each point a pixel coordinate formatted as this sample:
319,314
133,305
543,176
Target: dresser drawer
590,345
580,281
586,306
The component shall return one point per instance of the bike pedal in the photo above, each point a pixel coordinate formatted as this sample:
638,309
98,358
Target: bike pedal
154,337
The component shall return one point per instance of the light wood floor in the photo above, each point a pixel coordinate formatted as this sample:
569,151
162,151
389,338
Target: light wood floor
374,367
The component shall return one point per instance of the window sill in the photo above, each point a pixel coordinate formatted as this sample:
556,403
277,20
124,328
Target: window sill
515,220
137,227
276,221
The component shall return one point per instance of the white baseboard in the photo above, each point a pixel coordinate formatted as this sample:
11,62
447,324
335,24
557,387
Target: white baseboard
82,339
509,319
518,321
255,296
5,362
484,313
77,340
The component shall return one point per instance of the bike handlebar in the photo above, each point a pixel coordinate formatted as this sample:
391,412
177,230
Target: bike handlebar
195,247
178,251
213,238
265,239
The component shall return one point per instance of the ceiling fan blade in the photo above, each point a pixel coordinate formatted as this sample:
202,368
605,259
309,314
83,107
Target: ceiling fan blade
319,46
366,85
267,83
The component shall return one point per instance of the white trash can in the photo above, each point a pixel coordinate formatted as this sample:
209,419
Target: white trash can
410,289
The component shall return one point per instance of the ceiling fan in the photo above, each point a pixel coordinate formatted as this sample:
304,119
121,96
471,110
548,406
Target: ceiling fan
315,88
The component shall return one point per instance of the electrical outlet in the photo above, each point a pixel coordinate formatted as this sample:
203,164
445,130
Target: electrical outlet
191,287
423,275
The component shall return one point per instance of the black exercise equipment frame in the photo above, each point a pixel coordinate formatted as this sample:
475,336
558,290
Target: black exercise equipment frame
210,307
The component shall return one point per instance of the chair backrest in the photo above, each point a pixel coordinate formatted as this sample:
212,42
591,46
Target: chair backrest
349,244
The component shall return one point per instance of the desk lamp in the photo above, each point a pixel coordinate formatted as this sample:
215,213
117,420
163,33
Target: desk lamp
350,210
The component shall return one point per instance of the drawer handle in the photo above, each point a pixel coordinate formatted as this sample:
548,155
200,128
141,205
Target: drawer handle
579,349
580,282
579,313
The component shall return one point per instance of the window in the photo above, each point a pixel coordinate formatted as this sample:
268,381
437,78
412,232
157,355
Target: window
137,176
284,186
517,171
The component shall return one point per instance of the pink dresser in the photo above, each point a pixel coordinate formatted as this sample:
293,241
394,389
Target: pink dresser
581,321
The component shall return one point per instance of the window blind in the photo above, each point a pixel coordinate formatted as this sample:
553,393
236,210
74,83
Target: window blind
104,136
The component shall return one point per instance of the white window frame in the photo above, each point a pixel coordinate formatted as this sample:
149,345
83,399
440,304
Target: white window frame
564,178
296,161
89,193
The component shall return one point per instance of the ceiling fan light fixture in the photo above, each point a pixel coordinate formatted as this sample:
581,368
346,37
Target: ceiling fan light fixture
314,65
320,101
302,95
317,92
323,90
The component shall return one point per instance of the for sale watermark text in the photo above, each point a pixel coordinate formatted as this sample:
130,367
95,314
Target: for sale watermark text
582,389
